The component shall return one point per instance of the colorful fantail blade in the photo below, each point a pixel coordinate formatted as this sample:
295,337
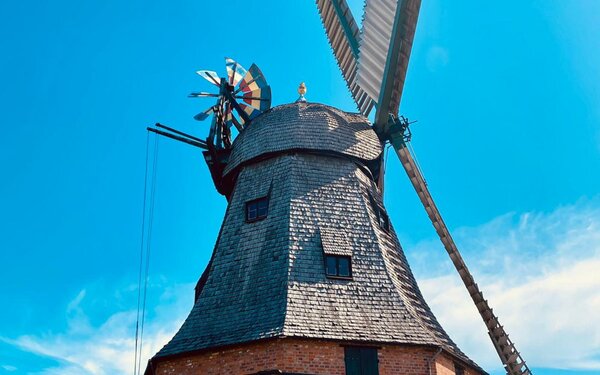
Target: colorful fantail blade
254,79
204,115
210,76
235,72
259,98
250,111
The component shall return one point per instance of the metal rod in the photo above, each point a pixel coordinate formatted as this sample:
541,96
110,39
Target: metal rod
239,109
247,84
201,94
213,78
159,125
253,98
177,138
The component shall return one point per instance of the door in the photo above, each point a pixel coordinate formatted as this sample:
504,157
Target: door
361,361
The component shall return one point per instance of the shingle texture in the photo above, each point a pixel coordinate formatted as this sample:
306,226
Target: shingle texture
267,278
308,126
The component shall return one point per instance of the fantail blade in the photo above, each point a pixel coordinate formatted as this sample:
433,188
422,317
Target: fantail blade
210,76
204,115
235,72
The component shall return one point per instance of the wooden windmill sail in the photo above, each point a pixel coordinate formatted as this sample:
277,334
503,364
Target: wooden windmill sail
378,68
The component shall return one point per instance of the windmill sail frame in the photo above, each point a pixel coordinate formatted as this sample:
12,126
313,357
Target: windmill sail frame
381,71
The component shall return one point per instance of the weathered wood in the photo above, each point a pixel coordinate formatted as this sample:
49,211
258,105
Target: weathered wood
510,357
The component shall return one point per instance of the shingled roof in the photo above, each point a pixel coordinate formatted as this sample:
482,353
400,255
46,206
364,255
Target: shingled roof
306,126
267,279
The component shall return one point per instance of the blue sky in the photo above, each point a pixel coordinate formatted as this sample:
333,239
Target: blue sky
507,98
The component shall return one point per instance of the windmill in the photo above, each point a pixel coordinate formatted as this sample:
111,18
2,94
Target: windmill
374,66
249,86
307,275
243,95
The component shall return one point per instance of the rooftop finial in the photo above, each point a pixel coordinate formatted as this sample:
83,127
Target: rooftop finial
301,92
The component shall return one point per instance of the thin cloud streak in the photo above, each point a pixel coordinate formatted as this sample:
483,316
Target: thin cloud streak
541,274
107,348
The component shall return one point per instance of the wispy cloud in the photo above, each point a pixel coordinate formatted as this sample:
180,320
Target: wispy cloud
108,347
541,274
437,58
540,271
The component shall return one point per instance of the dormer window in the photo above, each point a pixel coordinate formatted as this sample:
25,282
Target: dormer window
257,209
338,266
337,253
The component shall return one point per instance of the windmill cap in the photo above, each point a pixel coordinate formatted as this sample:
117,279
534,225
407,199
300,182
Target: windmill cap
305,126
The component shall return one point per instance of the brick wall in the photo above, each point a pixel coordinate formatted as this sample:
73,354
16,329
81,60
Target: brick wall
445,366
405,360
305,357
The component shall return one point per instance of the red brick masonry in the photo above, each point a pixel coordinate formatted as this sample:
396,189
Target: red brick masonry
304,357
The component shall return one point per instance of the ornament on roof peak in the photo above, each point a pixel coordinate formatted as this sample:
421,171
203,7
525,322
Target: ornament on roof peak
301,92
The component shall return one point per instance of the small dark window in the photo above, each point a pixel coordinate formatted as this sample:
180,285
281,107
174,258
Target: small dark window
458,369
338,266
384,220
257,209
361,361
382,217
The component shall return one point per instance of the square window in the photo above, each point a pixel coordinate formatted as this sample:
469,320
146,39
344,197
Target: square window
257,209
338,266
458,369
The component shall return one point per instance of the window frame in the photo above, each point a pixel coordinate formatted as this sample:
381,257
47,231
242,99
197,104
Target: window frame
337,258
256,202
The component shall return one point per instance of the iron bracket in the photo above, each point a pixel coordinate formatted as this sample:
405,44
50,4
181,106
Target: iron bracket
397,130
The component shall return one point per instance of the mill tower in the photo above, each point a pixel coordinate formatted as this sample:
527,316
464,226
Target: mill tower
307,275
